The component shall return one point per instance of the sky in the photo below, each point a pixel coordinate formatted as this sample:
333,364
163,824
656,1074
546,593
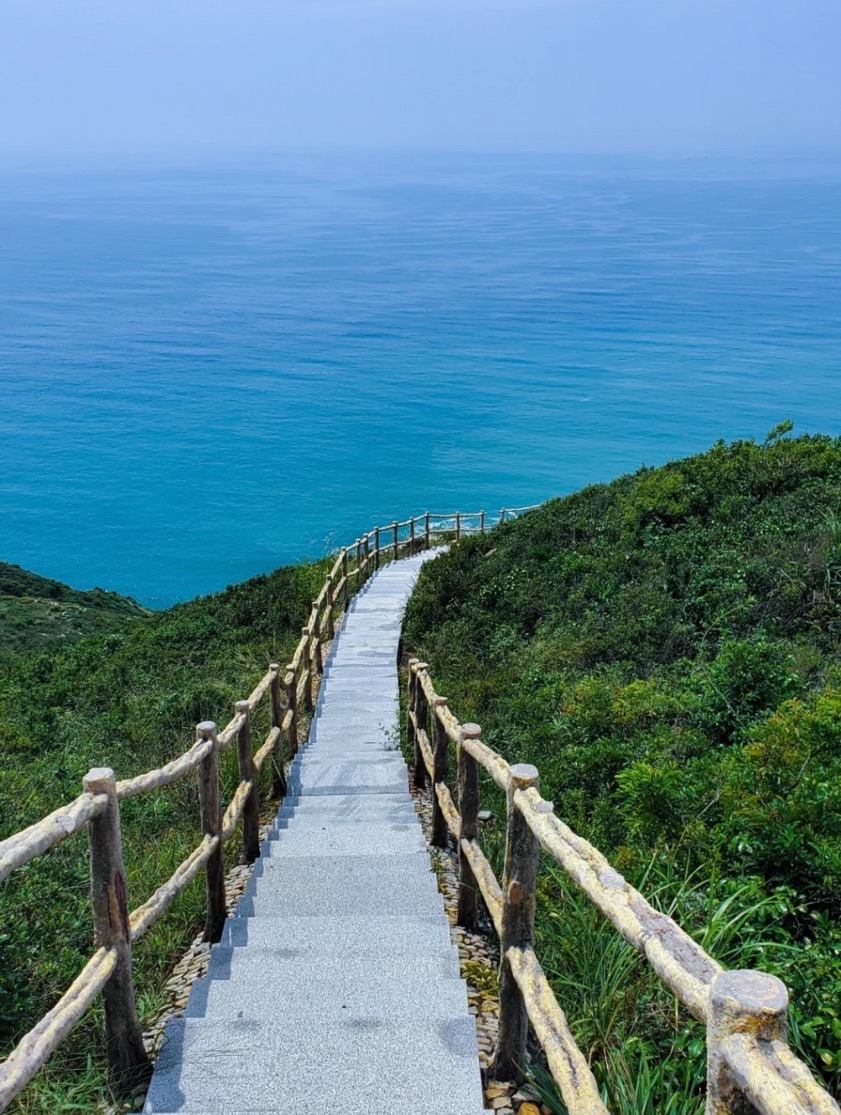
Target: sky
660,76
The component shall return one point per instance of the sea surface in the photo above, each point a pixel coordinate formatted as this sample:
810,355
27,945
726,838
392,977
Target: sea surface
210,370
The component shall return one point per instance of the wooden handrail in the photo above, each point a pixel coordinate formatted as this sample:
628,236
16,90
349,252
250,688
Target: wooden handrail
748,1058
288,689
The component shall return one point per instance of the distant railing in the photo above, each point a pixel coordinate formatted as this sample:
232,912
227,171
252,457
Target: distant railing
289,691
750,1067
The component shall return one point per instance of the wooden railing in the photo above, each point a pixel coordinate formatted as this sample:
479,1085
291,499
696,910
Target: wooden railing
290,693
750,1067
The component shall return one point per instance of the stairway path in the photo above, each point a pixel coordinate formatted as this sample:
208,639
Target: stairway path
335,988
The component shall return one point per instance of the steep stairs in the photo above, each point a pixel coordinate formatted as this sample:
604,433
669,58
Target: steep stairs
335,988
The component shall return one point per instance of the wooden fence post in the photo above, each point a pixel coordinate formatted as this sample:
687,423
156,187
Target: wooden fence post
306,662
276,712
377,548
211,824
518,902
367,555
291,682
248,773
396,532
420,773
481,522
317,663
412,686
441,763
426,532
357,579
411,536
468,807
741,1002
458,525
128,1061
346,586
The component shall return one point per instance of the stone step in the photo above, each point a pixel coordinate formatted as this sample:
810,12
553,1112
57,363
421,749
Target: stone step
348,840
334,989
340,936
351,805
342,778
335,1068
350,885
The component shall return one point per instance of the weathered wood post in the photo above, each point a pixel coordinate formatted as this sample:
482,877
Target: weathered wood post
411,535
502,514
367,555
518,902
411,734
128,1061
306,662
441,763
481,522
248,773
358,577
276,713
377,548
395,531
468,807
317,634
458,525
211,824
426,531
420,773
291,683
741,1002
345,585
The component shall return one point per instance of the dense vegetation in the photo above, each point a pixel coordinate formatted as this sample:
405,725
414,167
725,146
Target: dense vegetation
665,648
37,613
128,699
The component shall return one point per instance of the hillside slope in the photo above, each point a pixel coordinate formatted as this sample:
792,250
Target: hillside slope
665,648
37,613
129,699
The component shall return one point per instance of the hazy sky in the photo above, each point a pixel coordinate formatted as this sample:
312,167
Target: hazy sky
688,76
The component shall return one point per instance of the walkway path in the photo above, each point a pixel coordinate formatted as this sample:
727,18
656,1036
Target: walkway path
335,989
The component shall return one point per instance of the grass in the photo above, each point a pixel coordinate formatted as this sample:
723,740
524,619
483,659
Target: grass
664,648
129,698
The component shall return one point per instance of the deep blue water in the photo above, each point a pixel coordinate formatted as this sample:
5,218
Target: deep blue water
208,371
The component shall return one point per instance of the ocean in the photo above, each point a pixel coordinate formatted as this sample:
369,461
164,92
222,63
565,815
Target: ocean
209,370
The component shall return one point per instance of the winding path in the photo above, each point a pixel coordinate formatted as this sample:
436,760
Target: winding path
335,988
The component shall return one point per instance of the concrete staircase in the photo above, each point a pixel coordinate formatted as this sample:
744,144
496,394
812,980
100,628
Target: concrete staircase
335,988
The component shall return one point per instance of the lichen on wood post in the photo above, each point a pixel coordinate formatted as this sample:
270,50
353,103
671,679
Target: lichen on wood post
741,1002
128,1062
468,807
211,823
518,903
441,756
248,773
276,714
420,773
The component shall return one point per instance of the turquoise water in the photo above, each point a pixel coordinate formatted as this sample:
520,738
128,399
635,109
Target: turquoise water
208,371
